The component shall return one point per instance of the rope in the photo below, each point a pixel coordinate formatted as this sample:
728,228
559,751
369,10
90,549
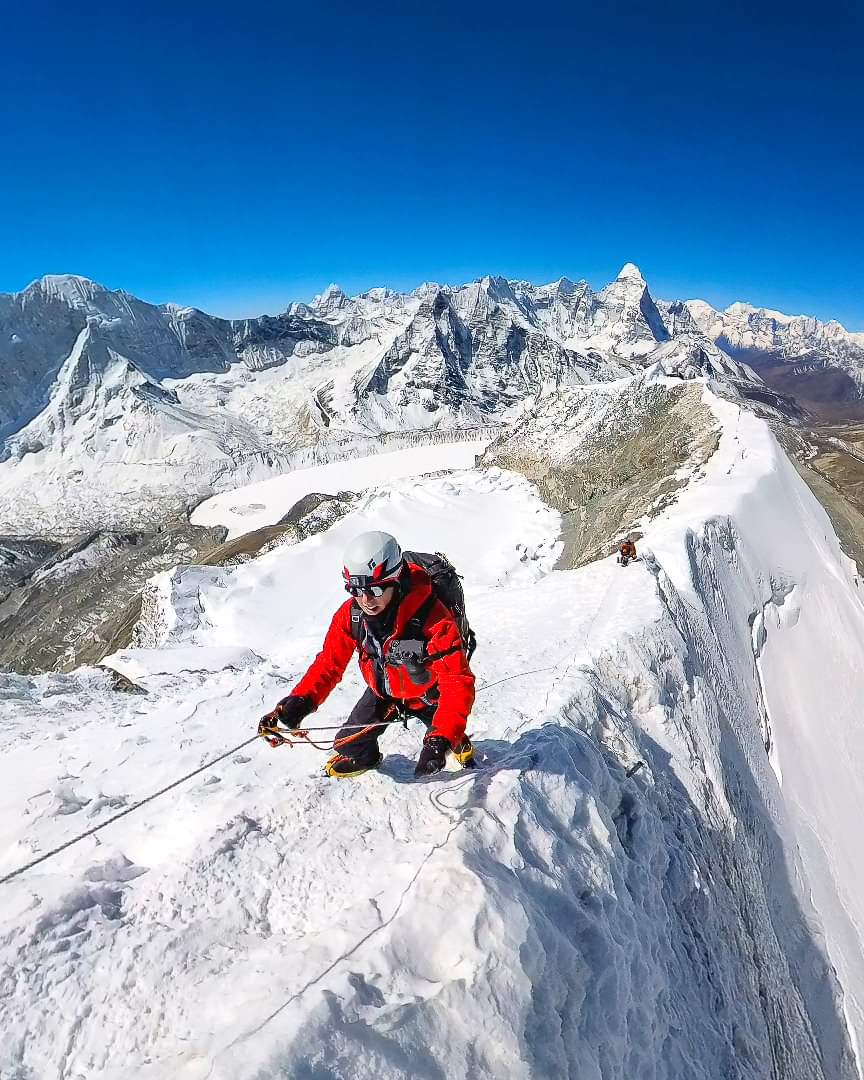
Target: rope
341,727
519,675
299,733
302,733
123,813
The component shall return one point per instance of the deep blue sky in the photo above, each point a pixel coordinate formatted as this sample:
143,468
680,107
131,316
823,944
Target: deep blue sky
240,156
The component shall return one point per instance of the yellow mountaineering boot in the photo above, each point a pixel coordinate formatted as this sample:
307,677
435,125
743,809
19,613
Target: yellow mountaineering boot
464,753
343,767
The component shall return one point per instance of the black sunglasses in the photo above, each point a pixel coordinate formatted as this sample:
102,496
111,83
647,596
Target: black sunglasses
375,591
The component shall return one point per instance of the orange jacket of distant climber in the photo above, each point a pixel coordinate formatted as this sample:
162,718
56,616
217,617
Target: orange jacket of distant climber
627,549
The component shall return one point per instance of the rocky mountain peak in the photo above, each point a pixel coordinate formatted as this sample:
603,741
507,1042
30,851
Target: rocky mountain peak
331,300
377,362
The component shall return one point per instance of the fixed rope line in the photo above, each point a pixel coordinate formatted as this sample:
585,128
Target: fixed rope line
300,735
518,675
128,810
195,772
383,723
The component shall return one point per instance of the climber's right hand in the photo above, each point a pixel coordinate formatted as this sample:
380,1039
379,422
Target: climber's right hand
290,712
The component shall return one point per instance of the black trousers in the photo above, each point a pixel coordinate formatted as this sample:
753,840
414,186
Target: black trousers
365,725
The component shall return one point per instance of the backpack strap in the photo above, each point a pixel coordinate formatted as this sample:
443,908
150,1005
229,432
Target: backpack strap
418,620
432,657
356,624
414,626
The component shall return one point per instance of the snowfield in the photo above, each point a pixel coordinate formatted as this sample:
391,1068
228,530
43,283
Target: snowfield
562,911
265,503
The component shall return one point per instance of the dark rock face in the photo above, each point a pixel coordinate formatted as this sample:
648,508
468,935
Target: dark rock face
18,561
607,461
60,615
271,340
818,385
314,503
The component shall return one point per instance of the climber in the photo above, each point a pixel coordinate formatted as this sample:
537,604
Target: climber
412,655
626,551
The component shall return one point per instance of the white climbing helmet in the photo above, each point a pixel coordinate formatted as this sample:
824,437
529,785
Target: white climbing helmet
371,559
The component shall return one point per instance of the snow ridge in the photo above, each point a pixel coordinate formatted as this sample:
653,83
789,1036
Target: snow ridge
562,911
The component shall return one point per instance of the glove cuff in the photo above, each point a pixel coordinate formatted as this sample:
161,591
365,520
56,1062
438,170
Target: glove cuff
298,704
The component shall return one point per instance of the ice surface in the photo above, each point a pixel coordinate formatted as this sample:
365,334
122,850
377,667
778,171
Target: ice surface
137,664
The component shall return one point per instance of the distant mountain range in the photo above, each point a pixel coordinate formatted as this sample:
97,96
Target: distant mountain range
820,364
114,410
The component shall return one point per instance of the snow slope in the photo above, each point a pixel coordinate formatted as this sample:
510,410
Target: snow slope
548,915
805,604
265,503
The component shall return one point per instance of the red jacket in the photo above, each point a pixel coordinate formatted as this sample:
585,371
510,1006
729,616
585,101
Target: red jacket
450,674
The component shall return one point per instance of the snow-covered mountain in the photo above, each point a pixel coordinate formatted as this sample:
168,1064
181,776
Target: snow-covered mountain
115,409
819,362
655,871
744,328
40,326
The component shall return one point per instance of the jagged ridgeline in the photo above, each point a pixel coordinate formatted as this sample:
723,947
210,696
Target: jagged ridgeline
118,416
115,411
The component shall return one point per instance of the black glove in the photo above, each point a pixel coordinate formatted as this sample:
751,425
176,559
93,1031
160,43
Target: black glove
433,756
291,711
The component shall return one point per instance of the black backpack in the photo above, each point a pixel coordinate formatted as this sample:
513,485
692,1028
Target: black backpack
446,587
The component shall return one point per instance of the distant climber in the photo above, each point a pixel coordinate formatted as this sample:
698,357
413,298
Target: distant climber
626,551
412,653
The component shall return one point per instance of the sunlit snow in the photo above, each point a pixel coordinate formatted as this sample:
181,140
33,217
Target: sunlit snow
552,914
266,502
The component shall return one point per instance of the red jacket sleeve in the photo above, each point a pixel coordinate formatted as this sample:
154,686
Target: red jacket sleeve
455,679
328,667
